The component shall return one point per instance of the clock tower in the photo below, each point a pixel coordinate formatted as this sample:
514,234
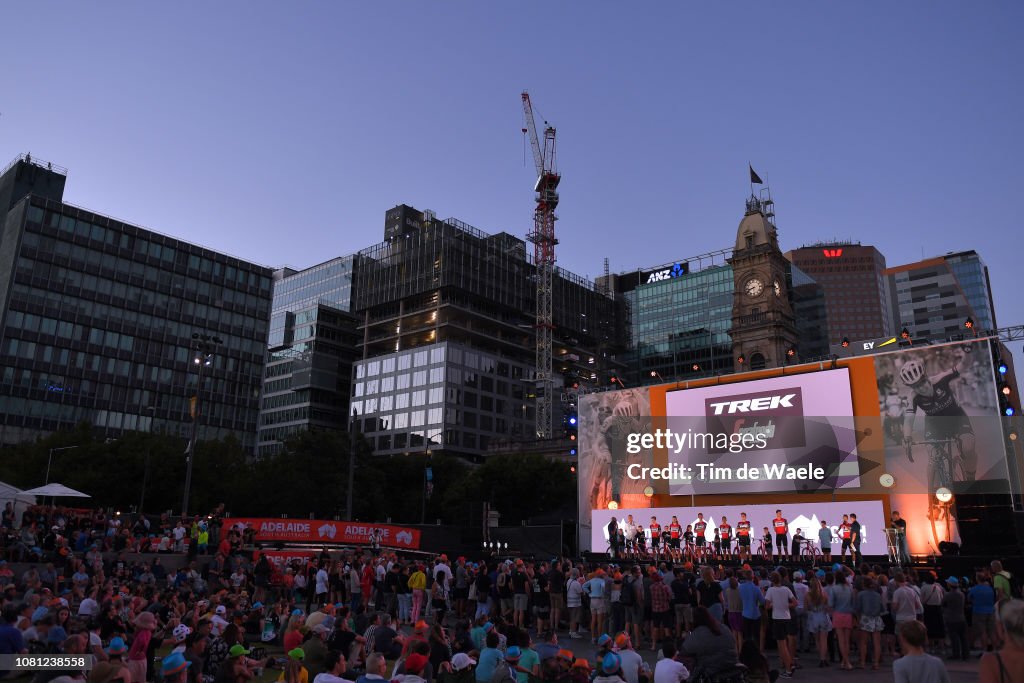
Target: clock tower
763,325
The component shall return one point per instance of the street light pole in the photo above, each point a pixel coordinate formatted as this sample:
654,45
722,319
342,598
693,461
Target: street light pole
351,465
149,448
202,347
49,460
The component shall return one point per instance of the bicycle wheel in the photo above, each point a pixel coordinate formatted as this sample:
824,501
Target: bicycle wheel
938,463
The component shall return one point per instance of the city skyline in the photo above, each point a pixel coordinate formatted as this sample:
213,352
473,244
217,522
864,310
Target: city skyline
909,147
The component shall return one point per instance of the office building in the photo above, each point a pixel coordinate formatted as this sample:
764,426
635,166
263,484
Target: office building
307,381
466,298
857,296
933,298
679,316
98,318
312,344
442,396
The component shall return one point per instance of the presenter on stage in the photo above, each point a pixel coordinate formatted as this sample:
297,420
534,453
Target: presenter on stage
900,525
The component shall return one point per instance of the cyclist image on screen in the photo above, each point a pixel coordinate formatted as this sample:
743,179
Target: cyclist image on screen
947,428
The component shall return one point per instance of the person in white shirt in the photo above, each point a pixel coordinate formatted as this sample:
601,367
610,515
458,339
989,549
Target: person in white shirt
335,666
218,623
322,580
179,538
669,670
906,603
89,607
574,602
780,600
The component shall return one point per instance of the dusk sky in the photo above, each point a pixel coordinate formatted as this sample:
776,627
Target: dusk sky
280,132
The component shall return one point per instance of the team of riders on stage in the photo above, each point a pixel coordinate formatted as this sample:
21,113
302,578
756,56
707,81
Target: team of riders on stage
675,542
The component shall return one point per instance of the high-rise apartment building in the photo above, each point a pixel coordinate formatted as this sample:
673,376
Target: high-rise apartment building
98,317
857,296
933,298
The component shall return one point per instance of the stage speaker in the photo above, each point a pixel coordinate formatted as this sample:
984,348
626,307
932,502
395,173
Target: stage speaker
949,549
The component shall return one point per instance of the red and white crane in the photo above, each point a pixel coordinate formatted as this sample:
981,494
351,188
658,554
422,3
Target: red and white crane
544,241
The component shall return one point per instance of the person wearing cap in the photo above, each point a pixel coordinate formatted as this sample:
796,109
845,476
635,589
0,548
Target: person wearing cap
954,620
294,669
609,669
458,670
219,621
630,661
138,654
174,668
505,671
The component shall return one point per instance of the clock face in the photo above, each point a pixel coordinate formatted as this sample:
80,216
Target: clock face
777,287
887,480
753,287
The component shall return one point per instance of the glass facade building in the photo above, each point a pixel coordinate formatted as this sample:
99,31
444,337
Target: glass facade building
328,283
98,318
441,396
933,298
679,316
681,322
307,381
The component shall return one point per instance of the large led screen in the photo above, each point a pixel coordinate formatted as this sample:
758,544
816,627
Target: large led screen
798,435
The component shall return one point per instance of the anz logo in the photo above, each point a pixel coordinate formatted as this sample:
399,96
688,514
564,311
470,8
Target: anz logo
676,270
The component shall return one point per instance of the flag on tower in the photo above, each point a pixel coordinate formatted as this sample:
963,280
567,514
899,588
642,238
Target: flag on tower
754,178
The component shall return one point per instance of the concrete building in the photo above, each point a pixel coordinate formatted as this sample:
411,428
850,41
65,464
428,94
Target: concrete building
857,295
933,298
99,320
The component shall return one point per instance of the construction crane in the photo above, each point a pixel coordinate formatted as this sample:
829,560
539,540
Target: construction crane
543,238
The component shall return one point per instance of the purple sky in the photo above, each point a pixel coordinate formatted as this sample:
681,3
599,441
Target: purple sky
281,132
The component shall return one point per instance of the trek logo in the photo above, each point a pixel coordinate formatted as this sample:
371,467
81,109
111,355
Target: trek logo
751,405
667,274
778,414
832,253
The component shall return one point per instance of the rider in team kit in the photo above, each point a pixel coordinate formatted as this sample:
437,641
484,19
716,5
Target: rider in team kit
845,534
698,530
743,537
675,533
944,416
781,526
655,528
725,531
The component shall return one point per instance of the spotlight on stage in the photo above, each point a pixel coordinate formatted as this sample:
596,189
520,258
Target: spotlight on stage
612,505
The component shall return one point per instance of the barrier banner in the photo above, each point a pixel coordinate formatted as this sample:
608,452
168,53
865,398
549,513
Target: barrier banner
283,558
270,530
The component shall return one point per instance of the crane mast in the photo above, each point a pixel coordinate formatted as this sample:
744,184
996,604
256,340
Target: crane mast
543,237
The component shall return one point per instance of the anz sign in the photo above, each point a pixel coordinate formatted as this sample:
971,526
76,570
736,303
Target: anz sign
674,271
